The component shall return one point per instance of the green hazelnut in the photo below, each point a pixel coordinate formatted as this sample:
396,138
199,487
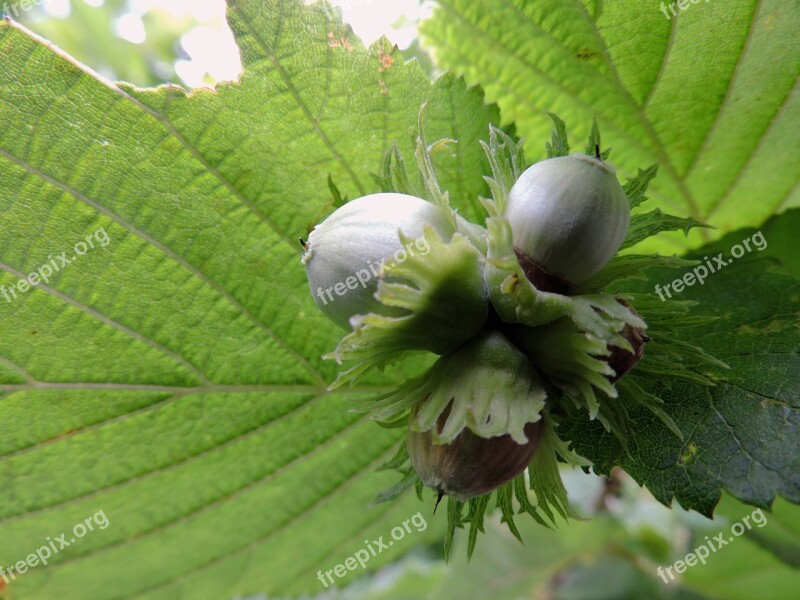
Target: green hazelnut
346,254
568,215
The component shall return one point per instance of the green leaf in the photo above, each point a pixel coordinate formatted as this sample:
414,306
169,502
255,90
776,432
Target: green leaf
630,266
506,159
644,225
743,434
559,146
636,187
173,377
338,201
709,95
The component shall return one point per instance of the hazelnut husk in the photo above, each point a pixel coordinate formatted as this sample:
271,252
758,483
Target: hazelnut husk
541,279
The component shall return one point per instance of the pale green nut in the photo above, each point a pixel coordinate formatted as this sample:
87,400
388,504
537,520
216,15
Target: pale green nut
345,254
569,215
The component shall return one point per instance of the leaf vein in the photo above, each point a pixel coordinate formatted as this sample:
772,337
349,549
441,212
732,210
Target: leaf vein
315,126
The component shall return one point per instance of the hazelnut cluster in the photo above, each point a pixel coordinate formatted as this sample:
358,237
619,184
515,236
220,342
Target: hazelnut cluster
509,307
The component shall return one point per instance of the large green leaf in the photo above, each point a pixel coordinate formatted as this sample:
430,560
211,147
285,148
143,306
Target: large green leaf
710,95
172,378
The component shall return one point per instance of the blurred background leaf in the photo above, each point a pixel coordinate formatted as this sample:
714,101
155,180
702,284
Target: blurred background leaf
144,42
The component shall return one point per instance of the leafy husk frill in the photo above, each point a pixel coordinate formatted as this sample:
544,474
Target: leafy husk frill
512,354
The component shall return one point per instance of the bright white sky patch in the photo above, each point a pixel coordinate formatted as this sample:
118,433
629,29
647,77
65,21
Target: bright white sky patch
59,9
212,54
371,19
130,27
201,10
214,50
